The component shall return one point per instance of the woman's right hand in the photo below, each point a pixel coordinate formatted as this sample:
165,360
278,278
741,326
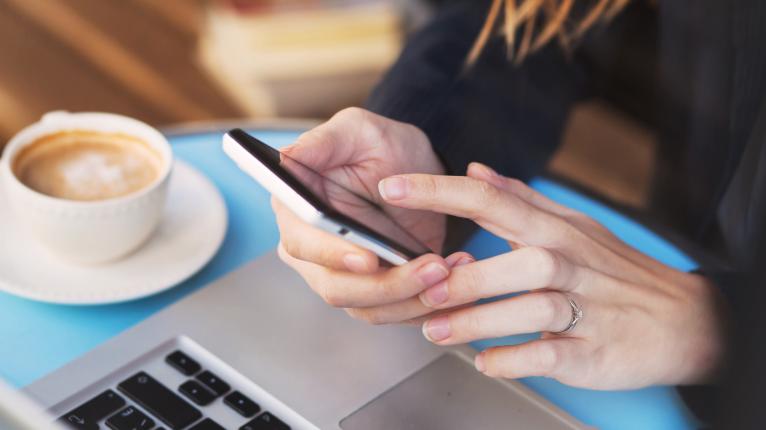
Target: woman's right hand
357,149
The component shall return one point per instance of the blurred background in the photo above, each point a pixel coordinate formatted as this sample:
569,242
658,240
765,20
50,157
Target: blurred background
177,61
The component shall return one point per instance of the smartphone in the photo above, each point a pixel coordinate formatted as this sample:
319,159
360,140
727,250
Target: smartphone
322,202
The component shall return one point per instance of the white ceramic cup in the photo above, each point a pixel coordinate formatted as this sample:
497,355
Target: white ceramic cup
88,231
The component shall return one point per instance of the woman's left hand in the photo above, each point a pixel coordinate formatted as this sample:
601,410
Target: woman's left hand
643,323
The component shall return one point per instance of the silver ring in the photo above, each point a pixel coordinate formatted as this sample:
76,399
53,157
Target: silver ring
576,317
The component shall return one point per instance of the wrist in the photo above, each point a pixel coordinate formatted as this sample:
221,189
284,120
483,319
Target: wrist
707,358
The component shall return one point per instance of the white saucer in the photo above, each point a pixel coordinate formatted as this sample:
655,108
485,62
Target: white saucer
190,234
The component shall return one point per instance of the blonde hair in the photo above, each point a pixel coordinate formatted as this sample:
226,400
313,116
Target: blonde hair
551,15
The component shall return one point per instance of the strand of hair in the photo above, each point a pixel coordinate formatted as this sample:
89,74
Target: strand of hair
527,10
486,31
510,26
596,13
553,25
526,41
615,9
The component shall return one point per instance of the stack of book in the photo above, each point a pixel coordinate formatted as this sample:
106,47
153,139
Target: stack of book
299,58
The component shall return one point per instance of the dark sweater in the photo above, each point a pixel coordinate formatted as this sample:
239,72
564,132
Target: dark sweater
695,70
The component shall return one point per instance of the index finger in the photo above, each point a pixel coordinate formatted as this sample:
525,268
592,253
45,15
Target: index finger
502,213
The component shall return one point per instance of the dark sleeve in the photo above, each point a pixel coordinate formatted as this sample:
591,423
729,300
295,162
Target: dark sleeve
704,400
742,219
508,117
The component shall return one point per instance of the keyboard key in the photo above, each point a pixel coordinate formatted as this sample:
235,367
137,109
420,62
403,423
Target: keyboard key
166,405
197,393
183,363
265,421
207,424
94,410
213,382
129,418
243,405
75,421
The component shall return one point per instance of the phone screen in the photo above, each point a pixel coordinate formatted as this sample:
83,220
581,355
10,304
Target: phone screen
333,199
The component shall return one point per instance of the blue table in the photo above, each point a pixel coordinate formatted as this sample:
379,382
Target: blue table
37,338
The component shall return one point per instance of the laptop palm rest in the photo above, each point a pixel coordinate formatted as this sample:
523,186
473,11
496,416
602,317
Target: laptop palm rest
447,394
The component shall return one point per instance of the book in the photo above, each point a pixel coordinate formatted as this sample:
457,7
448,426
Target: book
299,58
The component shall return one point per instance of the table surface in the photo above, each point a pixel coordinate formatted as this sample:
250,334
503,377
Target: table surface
36,338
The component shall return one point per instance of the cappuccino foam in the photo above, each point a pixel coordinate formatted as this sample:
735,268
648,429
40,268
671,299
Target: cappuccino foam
87,165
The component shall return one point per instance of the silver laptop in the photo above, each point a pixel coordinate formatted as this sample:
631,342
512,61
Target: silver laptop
257,350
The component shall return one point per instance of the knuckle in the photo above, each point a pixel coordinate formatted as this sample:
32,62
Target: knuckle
548,310
353,112
292,247
425,185
330,295
468,283
375,317
390,287
517,186
369,316
488,194
413,130
584,221
469,325
547,264
547,357
326,256
307,135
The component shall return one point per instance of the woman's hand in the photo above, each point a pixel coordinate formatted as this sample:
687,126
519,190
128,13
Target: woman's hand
643,322
357,149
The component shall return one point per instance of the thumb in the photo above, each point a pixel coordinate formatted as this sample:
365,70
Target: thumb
324,147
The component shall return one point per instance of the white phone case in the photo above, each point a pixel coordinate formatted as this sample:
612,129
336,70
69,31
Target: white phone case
303,209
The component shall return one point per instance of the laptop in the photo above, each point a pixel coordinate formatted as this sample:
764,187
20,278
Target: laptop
257,350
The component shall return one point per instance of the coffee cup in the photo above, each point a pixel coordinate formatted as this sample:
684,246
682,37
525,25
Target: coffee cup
91,187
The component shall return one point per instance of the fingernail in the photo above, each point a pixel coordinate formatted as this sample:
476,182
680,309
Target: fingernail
452,260
435,295
489,170
432,273
393,188
484,169
455,260
355,262
437,329
479,363
487,174
463,261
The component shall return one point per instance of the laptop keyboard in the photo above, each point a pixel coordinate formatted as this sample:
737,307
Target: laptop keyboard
141,402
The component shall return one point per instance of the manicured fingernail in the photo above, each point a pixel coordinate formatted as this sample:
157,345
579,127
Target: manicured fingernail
435,295
479,363
484,170
456,260
393,188
452,260
463,261
432,273
355,262
437,329
489,170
